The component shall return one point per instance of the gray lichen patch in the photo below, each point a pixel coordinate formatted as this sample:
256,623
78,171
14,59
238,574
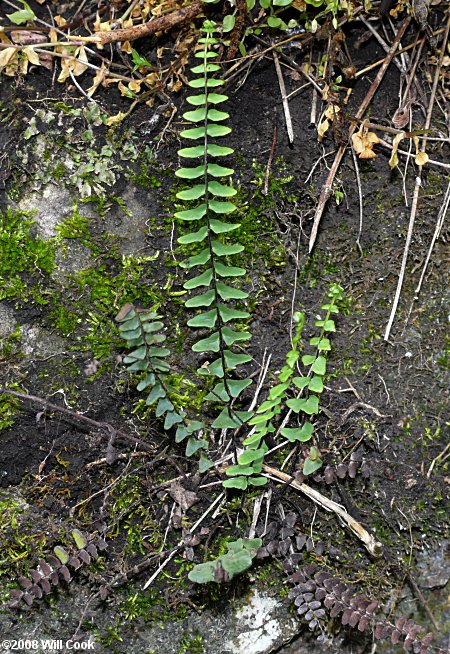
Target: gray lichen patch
261,626
51,206
37,341
8,322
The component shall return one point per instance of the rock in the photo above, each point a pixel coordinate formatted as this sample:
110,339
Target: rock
262,626
434,567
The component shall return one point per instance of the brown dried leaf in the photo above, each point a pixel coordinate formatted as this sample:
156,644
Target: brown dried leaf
7,55
421,158
363,142
393,161
184,498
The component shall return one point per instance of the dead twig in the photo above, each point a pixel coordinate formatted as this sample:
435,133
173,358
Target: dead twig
328,186
437,459
139,31
437,231
417,186
103,426
287,112
269,161
219,499
373,547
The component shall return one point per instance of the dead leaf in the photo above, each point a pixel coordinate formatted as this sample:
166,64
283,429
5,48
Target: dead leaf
363,142
26,37
322,128
401,117
31,55
135,85
60,21
393,161
98,79
115,120
6,56
80,65
126,47
184,498
421,158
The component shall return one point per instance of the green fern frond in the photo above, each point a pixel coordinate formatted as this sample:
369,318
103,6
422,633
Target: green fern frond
209,200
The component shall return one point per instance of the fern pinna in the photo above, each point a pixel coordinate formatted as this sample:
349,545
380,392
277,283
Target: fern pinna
210,199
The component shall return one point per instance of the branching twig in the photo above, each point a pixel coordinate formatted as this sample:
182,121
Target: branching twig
156,25
417,188
328,186
103,426
373,547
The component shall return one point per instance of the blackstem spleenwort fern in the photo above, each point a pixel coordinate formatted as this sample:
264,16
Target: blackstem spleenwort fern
215,298
213,271
308,387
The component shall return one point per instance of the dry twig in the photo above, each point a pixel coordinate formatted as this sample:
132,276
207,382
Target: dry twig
328,186
417,187
373,547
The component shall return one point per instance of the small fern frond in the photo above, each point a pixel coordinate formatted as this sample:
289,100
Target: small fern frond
141,330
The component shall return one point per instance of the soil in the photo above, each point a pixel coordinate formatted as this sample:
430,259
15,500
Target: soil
386,400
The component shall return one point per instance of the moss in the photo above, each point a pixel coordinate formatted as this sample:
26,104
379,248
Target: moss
25,259
148,173
9,408
10,345
191,644
20,542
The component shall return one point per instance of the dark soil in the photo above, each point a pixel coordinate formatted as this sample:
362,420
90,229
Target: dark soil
388,400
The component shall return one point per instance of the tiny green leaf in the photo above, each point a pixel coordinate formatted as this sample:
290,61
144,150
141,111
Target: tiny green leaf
319,366
221,207
193,193
216,188
228,23
202,280
230,293
210,344
248,456
219,227
194,237
193,445
213,150
163,406
204,464
172,418
301,434
156,393
300,382
229,271
327,325
228,314
219,171
203,300
236,482
207,319
192,153
238,470
222,250
61,554
192,214
80,540
309,405
310,466
23,15
316,384
258,481
190,173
